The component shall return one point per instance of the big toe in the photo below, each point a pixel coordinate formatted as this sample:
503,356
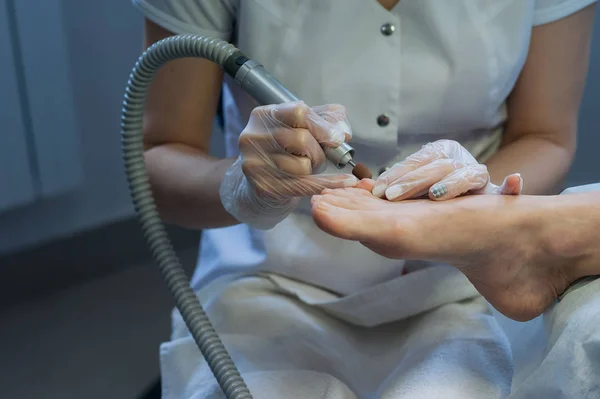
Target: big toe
330,218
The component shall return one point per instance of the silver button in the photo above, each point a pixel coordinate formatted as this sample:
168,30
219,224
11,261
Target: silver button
387,29
383,120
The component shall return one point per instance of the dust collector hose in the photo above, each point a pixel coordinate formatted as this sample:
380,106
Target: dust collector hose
189,306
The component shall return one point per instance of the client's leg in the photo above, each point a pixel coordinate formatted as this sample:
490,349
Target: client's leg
519,252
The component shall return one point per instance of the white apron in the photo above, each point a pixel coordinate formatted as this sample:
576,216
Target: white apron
325,347
286,348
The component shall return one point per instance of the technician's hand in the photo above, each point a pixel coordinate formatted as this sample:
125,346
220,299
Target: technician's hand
443,170
280,153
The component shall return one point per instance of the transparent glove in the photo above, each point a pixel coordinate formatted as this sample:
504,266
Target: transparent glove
280,153
443,170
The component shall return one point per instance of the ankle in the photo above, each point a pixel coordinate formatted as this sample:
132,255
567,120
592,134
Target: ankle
569,235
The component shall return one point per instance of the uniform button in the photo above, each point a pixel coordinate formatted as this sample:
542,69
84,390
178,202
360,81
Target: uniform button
383,170
387,29
383,120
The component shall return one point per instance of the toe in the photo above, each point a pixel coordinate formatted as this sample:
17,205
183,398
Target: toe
513,185
366,184
333,220
344,200
314,200
352,193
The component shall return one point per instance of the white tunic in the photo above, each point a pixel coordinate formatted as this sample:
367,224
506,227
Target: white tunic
444,72
425,70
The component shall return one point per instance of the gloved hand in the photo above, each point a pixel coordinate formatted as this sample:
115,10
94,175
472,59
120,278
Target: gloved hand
443,169
279,157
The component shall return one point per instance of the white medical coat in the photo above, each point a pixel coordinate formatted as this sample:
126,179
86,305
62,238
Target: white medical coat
427,69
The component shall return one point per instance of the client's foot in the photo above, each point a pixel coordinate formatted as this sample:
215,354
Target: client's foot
502,244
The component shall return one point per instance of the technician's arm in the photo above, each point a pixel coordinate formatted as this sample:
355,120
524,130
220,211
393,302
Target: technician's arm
541,132
178,122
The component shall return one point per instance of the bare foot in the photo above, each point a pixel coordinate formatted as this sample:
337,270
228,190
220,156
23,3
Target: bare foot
499,242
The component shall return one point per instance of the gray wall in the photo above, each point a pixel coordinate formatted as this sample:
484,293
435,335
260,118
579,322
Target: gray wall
586,168
103,39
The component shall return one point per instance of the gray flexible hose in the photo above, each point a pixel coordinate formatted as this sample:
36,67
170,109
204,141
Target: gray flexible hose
189,306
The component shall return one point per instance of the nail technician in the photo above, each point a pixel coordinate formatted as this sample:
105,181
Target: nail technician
495,86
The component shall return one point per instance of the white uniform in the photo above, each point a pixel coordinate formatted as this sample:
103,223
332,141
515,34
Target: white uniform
292,303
